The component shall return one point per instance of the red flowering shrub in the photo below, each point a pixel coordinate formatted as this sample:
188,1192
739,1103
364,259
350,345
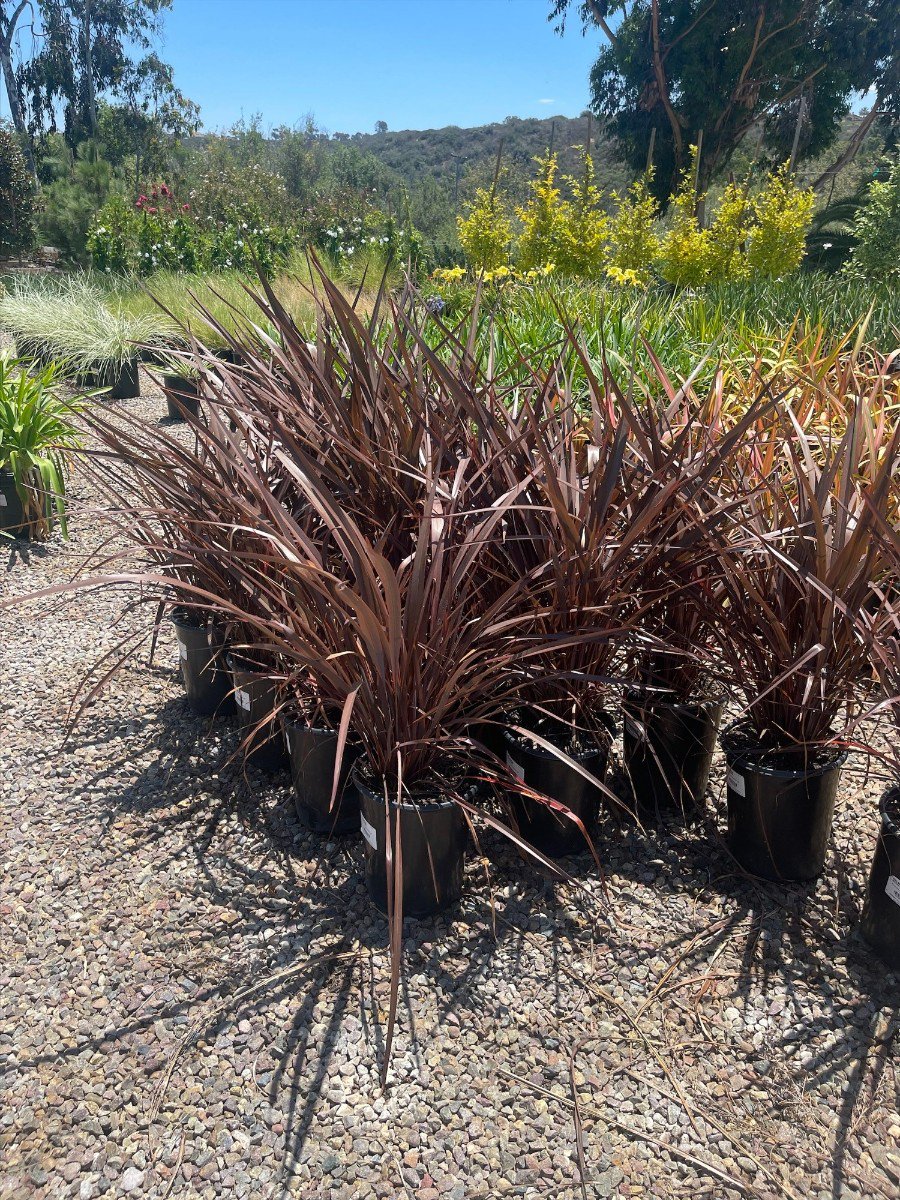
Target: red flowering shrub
162,234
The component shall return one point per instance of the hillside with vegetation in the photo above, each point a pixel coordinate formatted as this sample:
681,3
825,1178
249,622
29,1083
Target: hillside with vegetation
454,157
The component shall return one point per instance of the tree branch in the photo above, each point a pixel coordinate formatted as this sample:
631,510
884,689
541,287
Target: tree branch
852,148
758,116
11,23
600,20
742,78
690,29
663,85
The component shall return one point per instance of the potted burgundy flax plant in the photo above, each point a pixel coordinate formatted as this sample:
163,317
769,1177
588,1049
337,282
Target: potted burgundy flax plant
797,571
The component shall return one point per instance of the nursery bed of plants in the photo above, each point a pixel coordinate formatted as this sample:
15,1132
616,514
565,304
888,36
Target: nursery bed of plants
193,982
415,557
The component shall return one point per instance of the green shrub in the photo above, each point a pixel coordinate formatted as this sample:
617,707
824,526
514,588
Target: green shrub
160,233
77,187
18,201
685,251
782,214
585,226
726,247
876,229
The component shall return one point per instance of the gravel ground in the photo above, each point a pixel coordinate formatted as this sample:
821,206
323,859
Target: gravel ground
193,989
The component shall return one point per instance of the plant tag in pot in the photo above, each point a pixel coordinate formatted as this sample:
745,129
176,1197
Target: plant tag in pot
517,769
736,783
2,500
636,730
892,888
242,698
368,832
182,650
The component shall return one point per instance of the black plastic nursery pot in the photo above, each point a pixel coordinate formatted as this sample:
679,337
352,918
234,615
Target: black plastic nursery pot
201,661
554,834
122,379
313,754
255,698
432,840
668,750
491,735
780,805
181,396
880,925
12,512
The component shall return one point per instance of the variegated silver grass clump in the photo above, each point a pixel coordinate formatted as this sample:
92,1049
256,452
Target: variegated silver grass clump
77,322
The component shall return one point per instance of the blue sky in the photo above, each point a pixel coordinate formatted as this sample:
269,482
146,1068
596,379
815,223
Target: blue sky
416,64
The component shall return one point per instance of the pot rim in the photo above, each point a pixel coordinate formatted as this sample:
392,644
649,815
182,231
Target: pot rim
179,617
405,805
318,731
237,662
515,740
746,758
658,699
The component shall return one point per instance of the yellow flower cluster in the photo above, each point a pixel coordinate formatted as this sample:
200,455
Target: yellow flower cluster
448,276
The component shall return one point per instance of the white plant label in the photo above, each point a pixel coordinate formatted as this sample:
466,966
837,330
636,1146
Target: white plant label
368,832
2,500
736,783
517,769
633,728
242,699
182,650
287,741
892,888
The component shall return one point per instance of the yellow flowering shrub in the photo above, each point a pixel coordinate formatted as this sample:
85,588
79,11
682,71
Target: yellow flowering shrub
728,233
485,232
686,252
782,213
584,228
632,244
544,218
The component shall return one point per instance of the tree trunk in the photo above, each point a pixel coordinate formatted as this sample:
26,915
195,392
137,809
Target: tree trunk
12,92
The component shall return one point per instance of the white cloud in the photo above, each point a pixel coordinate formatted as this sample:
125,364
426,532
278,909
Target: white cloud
550,101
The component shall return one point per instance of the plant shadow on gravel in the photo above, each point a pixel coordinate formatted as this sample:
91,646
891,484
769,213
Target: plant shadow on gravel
307,932
785,937
23,550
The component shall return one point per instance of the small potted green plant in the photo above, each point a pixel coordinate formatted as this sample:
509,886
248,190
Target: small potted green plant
37,432
180,379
